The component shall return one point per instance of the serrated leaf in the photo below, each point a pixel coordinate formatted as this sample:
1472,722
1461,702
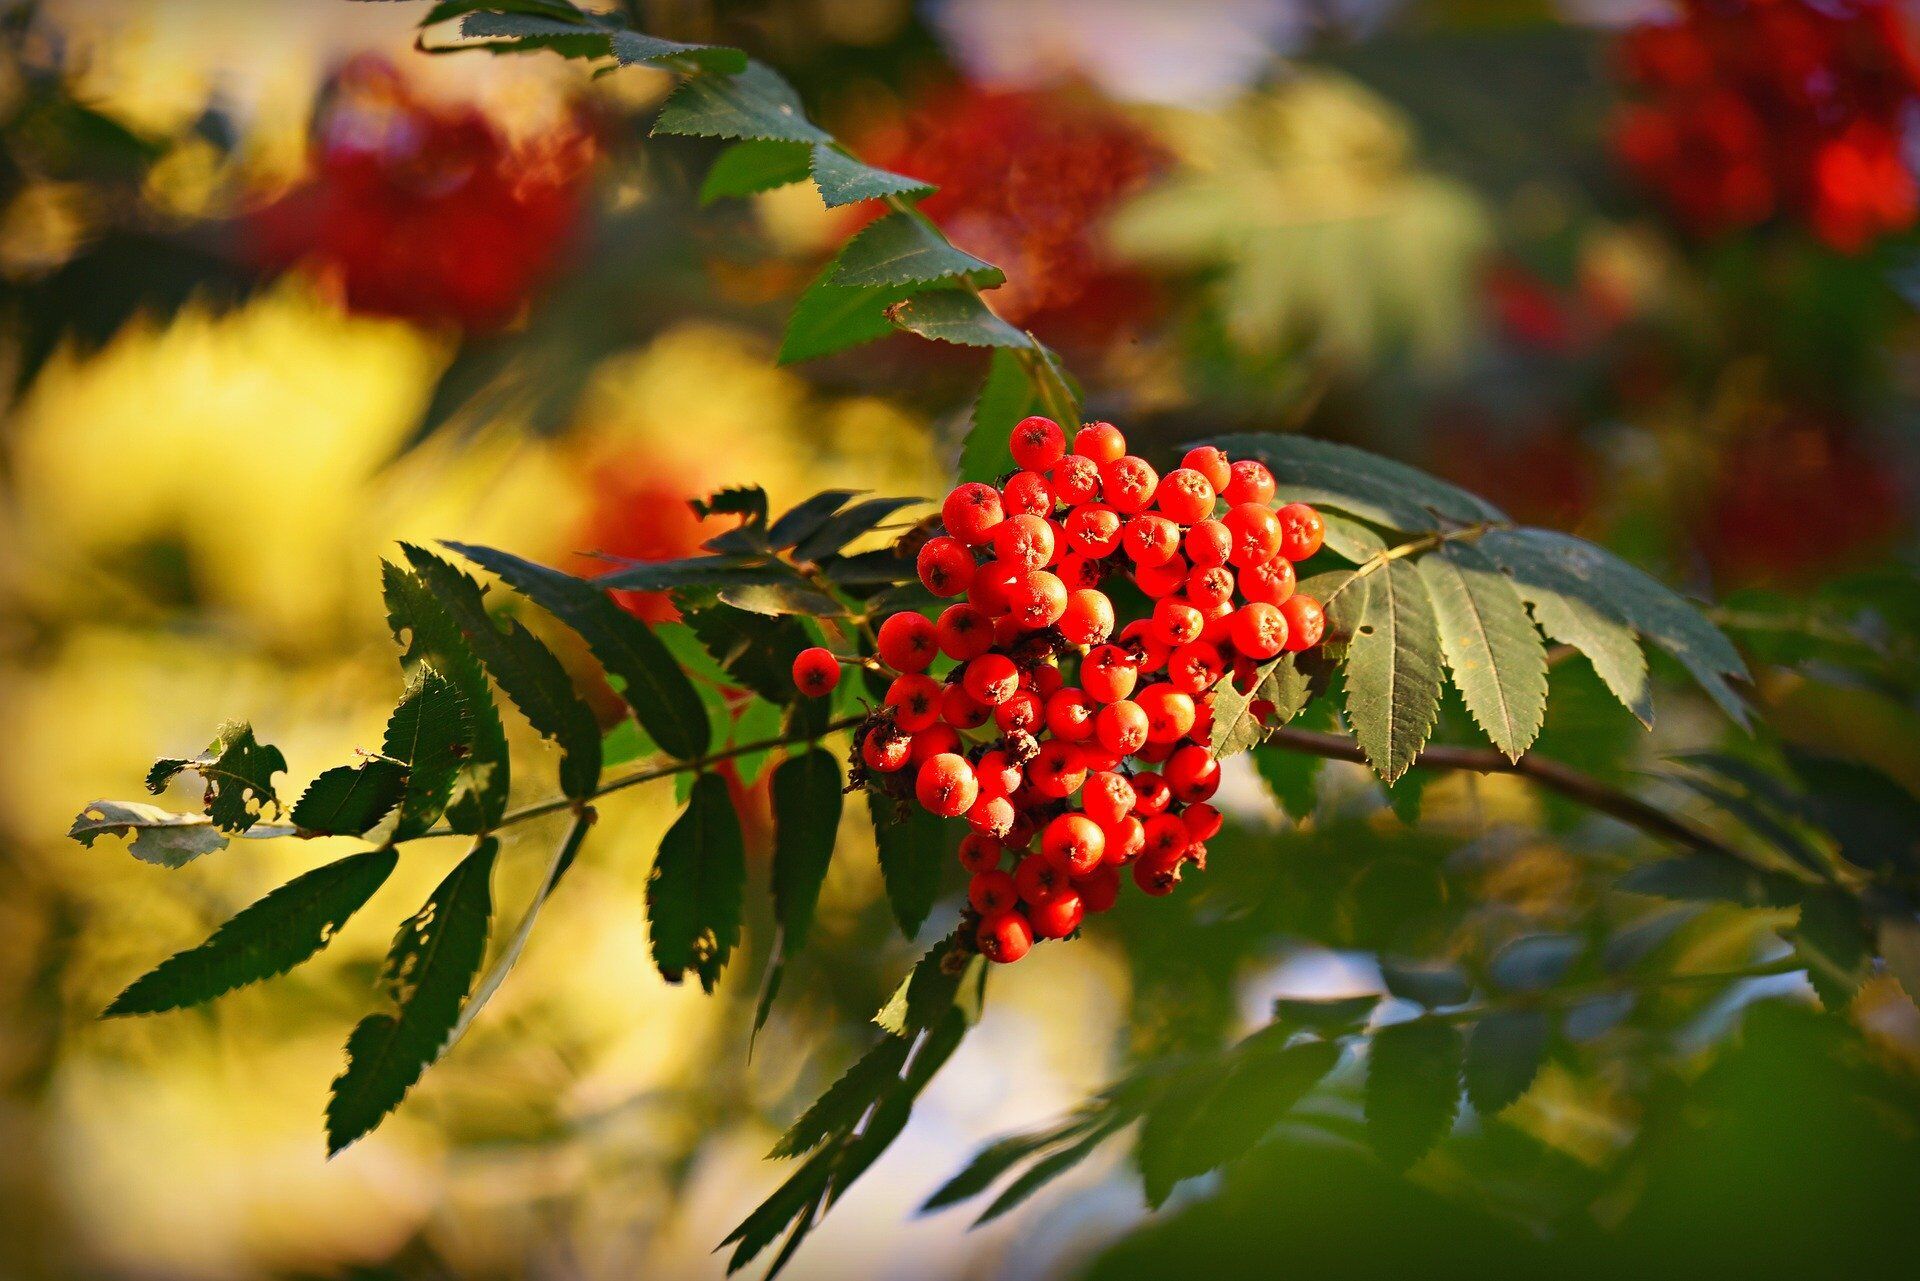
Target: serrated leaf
1291,778
662,699
1393,668
748,168
1043,1172
1835,944
1709,878
791,1203
994,1160
238,771
580,39
806,517
806,819
828,318
752,650
160,837
693,571
928,991
956,316
1504,1053
911,849
430,733
267,938
694,890
428,972
1008,396
1535,962
1324,1014
754,103
1900,945
906,249
1359,483
746,501
840,1108
418,617
348,799
777,599
844,180
855,521
1498,662
1413,1088
523,667
1756,817
1430,984
1236,728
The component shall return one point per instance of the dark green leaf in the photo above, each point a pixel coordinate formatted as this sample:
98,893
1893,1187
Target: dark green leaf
348,799
1504,1053
1216,1115
267,938
955,316
806,819
429,970
694,891
1008,396
657,690
839,1109
906,249
694,571
1393,667
844,180
1435,984
432,735
994,1160
791,1203
238,772
1324,1014
1498,662
753,650
1535,962
1709,878
807,517
1413,1088
1349,539
850,524
828,318
747,168
1362,484
912,855
581,40
1045,1171
1834,943
754,103
930,989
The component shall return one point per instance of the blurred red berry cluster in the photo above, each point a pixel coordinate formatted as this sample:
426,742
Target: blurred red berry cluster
424,210
1751,109
1025,179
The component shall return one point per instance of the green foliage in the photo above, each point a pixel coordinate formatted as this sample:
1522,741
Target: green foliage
955,316
1393,664
913,846
428,972
159,836
238,772
754,103
1504,1053
694,890
270,937
806,822
349,799
1413,1087
906,249
1491,647
430,733
844,180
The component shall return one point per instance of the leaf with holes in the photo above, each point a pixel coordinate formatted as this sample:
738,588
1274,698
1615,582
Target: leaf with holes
1498,662
1393,665
695,888
160,837
238,771
430,733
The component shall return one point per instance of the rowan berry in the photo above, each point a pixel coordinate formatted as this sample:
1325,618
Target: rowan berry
1192,774
1151,540
991,679
1108,673
1163,579
1025,542
992,892
991,583
1079,572
945,566
980,853
1185,495
1099,890
1121,727
1037,598
1301,531
997,774
1127,484
1106,797
1070,714
885,748
1250,482
1270,581
1203,821
1076,480
1059,916
1154,874
1256,534
1057,770
1306,622
1259,630
1044,680
1208,543
1023,711
1151,794
1212,463
1037,879
915,700
991,816
1094,529
1170,712
1026,493
1101,442
932,741
1176,621
1125,840
1004,937
963,632
1167,837
1154,753
1142,639
1073,843
816,671
1088,617
971,512
907,642
1195,668
945,785
1037,443
1212,585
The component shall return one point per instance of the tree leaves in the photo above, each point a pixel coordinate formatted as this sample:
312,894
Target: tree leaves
431,734
747,168
1492,649
570,33
843,180
753,103
695,888
429,969
1361,484
956,316
348,799
1504,1052
161,837
662,700
1393,666
906,249
238,771
1413,1088
806,819
910,844
267,938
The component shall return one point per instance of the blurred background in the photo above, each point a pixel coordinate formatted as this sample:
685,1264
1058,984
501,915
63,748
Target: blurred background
278,288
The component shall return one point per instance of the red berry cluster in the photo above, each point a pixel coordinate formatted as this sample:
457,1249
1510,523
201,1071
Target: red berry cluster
1049,727
1752,108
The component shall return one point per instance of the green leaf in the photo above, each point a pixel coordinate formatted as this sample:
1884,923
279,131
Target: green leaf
929,990
419,618
429,969
1361,484
752,650
1835,944
844,180
579,39
807,517
432,735
840,1108
754,103
1535,962
238,772
658,691
693,571
267,938
1008,397
1504,1053
1393,667
1710,878
994,1160
792,1203
348,799
1413,1088
1045,1171
161,837
1327,1015
906,249
855,521
911,846
747,168
695,888
1432,985
829,318
523,667
777,599
806,818
1498,662
1349,539
955,316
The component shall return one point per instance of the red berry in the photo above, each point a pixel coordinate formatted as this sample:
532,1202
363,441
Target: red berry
1037,443
1141,637
1156,874
1127,484
1151,540
907,642
915,700
1075,480
1044,680
1170,712
1195,668
1070,714
1106,797
1099,890
1211,463
991,816
992,893
1058,917
1088,617
997,774
1026,493
1036,599
1004,937
816,671
1151,794
1301,531
945,785
1212,585
980,853
1176,621
1023,541
886,748
971,512
1270,581
1023,711
932,741
1101,442
1203,821
1079,572
1057,770
1167,837
1251,482
1192,774
1036,880
945,565
1306,622
1162,580
1259,630
1121,727
1209,543
963,632
1073,843
1094,529
959,709
1109,673
1125,840
991,679
1185,495
1256,534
